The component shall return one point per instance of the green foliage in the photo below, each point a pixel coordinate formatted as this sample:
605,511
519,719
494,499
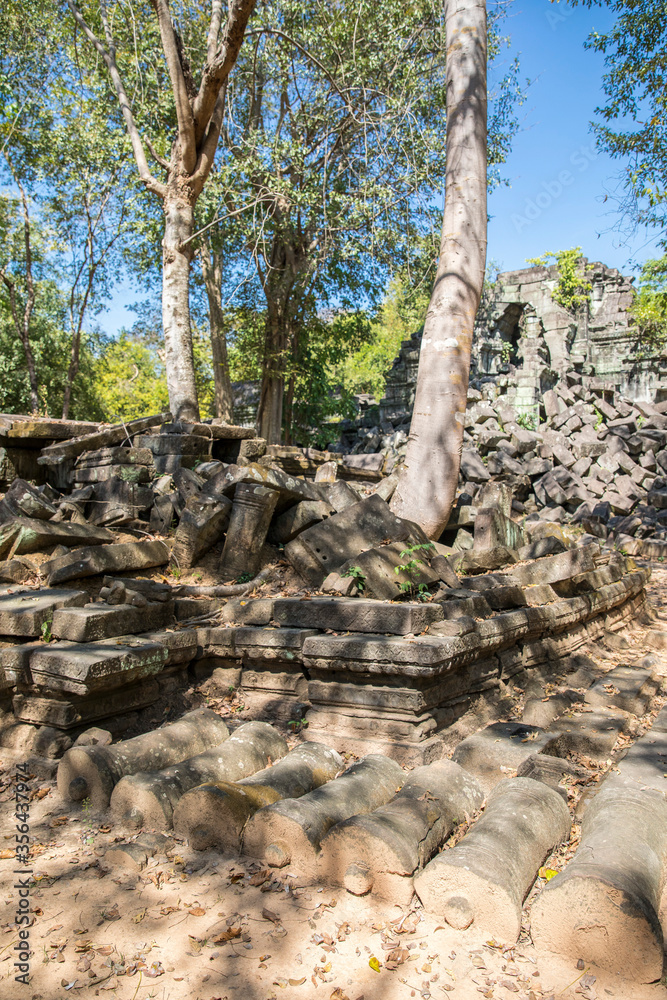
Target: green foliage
131,379
365,368
358,576
506,352
649,308
50,343
632,123
573,289
412,567
526,421
45,630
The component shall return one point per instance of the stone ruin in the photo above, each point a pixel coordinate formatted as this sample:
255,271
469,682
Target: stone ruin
416,681
524,344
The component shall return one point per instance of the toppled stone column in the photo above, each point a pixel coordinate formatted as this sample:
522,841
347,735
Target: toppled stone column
290,832
485,878
93,772
248,527
604,908
381,851
150,799
215,813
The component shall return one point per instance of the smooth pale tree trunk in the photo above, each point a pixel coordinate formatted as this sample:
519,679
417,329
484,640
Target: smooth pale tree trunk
211,265
270,412
176,257
427,485
199,114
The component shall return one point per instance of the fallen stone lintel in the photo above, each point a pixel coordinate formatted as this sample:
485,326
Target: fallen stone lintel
55,453
119,558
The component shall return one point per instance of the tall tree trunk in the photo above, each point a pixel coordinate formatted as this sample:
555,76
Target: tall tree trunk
270,412
427,485
176,257
211,266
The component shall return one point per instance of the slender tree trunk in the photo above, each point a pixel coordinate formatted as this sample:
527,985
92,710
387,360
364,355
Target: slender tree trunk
289,412
270,413
176,258
211,265
428,483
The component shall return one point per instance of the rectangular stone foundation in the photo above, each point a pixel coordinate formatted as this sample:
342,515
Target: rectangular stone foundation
395,696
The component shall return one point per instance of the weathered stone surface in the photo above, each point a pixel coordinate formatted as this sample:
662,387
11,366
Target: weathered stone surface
249,521
77,711
100,439
496,752
343,615
117,558
290,489
493,528
149,799
117,501
627,688
604,907
328,546
93,772
127,473
23,500
496,863
381,850
24,534
295,520
82,668
99,621
291,831
215,813
390,571
202,523
27,612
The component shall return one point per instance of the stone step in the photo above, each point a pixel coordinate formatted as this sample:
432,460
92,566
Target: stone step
72,713
625,687
85,668
591,733
100,621
358,615
28,612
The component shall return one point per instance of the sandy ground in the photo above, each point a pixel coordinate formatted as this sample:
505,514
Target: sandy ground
208,927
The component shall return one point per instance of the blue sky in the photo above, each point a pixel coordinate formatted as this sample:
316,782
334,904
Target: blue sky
557,179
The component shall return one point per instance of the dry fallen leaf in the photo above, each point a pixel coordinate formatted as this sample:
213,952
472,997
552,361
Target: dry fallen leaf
138,917
270,915
297,982
197,911
228,935
374,963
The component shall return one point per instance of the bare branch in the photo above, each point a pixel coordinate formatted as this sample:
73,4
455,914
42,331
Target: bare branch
156,156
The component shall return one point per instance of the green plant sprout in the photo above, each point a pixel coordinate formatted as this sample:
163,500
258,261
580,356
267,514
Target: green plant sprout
412,567
358,577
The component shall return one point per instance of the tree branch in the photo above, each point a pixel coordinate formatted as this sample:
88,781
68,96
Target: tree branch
109,57
218,69
186,131
214,30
